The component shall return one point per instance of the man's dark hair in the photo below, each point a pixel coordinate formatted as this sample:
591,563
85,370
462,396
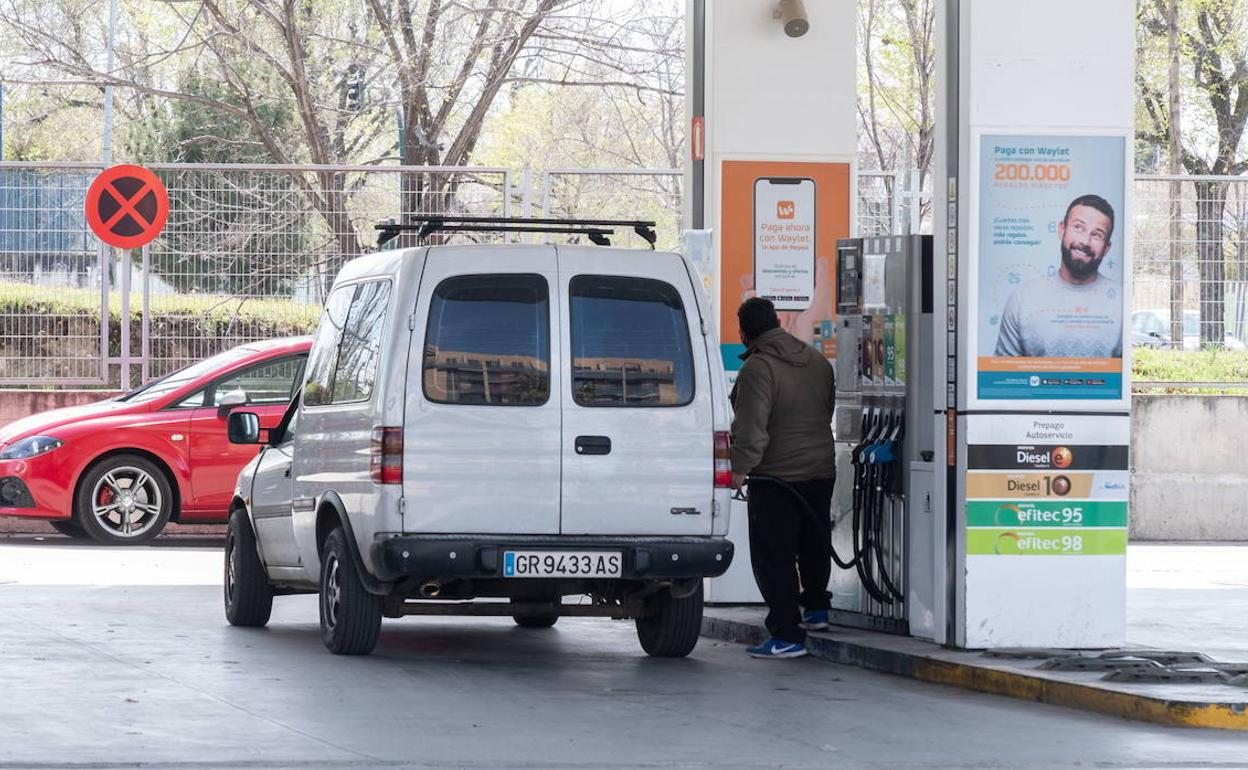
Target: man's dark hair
1094,202
757,316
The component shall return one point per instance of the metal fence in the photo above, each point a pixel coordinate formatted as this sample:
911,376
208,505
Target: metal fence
892,203
1191,255
50,278
249,252
1188,323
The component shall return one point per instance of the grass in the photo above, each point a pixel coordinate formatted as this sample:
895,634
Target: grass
1210,365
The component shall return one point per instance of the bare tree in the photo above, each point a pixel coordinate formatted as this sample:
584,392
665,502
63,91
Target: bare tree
1175,147
896,107
1214,45
347,70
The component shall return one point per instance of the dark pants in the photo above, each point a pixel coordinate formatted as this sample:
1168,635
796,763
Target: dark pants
788,545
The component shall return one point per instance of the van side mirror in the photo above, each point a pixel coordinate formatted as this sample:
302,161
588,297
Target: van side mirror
243,428
233,398
230,400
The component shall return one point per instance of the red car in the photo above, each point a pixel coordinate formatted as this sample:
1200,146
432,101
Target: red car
120,469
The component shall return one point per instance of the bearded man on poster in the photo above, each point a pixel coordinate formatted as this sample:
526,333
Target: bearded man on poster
1076,313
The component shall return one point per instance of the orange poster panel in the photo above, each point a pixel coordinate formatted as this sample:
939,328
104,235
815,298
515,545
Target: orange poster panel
771,234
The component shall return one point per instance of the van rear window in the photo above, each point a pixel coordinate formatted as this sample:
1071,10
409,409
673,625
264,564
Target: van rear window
630,343
488,341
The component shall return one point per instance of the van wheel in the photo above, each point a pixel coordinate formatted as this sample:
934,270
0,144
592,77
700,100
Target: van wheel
535,621
671,627
248,594
69,528
123,500
350,615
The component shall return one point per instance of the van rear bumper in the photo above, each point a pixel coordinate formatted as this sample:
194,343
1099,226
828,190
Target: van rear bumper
466,556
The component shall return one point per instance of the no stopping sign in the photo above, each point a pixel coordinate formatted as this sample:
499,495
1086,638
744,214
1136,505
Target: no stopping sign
127,206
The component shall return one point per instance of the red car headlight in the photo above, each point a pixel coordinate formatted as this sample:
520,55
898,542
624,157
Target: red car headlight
32,446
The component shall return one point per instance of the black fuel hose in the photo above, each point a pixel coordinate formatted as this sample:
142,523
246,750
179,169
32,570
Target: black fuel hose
867,534
861,559
877,530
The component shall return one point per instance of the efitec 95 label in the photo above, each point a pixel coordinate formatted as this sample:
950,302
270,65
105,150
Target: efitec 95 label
1046,513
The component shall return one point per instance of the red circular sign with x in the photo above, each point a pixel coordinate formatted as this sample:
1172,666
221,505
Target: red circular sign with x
127,206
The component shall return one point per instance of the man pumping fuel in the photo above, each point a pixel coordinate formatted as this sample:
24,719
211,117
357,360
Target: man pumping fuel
782,440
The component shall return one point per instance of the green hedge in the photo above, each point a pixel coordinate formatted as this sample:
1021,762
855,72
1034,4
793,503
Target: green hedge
54,325
283,317
180,322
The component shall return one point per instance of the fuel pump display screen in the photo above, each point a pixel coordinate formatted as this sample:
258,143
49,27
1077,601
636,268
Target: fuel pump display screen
849,278
874,296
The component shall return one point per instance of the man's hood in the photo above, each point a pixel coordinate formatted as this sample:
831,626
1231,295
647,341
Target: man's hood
781,345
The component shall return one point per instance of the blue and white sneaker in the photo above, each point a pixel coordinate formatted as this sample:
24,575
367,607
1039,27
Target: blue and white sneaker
774,648
815,620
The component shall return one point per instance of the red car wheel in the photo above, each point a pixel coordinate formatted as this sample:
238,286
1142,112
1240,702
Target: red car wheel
124,500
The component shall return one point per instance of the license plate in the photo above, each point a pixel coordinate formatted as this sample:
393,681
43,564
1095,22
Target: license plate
541,564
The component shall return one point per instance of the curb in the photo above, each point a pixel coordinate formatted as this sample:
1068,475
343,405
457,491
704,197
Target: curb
995,681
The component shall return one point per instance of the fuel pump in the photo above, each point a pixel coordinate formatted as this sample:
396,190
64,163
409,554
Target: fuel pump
884,438
884,306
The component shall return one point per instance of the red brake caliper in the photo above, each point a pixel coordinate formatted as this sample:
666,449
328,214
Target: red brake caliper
106,496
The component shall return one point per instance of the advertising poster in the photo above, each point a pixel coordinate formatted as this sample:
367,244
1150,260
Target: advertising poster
779,225
1051,262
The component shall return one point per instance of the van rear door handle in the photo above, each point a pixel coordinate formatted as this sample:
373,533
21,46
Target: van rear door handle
593,445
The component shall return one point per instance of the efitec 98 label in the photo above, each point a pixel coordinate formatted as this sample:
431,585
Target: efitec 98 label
1046,542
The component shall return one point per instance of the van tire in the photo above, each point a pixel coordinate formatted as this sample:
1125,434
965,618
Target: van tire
671,626
535,621
350,615
248,594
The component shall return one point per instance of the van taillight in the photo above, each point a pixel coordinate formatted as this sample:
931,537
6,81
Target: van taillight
723,459
386,456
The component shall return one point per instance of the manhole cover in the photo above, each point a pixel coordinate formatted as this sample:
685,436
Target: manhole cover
1234,669
1033,653
1100,664
1169,676
1165,657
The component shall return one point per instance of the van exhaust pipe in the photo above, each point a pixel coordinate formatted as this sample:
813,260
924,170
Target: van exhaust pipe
430,589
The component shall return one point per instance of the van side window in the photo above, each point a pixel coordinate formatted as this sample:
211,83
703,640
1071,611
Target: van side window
361,343
324,353
630,343
272,382
488,341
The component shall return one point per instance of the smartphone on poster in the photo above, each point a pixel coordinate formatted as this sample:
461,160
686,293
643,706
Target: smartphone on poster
784,241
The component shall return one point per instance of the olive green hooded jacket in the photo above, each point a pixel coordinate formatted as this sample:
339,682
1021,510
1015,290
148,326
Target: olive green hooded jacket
782,402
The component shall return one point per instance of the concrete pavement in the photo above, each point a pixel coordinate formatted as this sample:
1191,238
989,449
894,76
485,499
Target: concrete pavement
135,664
1185,597
1181,598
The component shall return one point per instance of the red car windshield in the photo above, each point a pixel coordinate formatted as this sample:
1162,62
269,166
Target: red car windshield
171,382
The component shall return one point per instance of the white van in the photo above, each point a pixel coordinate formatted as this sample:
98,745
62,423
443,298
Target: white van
512,423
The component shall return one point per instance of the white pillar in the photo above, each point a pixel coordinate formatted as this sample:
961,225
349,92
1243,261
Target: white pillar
782,110
1035,111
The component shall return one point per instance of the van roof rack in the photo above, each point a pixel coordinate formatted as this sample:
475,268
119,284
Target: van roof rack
599,231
